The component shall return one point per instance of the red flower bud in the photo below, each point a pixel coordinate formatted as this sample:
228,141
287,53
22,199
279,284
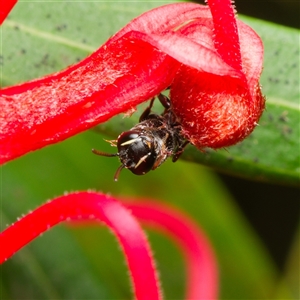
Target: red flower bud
215,109
218,111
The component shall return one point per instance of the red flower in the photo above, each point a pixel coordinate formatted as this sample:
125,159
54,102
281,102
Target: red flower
212,63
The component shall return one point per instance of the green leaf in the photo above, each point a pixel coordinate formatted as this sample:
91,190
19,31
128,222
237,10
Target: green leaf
85,262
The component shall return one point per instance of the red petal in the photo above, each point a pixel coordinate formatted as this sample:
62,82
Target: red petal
225,36
114,79
6,7
162,27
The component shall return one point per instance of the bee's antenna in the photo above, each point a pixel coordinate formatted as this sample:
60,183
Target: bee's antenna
118,172
97,152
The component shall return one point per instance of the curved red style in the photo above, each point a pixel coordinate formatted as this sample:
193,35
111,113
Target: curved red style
202,277
207,60
201,270
90,206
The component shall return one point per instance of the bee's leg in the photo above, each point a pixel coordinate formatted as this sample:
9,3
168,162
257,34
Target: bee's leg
147,111
164,100
179,151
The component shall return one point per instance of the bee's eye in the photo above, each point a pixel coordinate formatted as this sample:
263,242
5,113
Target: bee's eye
136,152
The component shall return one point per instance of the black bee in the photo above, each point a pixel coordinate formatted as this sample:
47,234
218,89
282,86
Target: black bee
149,143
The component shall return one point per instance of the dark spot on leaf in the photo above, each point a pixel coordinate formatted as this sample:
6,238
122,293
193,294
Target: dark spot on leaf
44,62
294,65
270,117
274,80
284,117
45,59
61,27
286,130
230,159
